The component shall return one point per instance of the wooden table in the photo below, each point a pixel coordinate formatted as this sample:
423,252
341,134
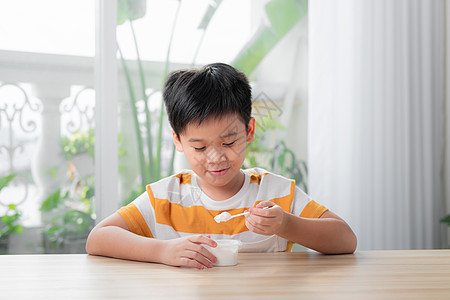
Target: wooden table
423,274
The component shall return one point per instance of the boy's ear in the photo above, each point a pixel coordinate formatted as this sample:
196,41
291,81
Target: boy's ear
177,142
251,130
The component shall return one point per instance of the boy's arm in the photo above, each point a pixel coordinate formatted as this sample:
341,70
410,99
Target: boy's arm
112,237
328,234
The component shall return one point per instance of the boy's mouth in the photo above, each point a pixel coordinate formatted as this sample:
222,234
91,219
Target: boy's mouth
219,172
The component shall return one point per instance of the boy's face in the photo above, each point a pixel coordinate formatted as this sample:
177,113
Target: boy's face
215,150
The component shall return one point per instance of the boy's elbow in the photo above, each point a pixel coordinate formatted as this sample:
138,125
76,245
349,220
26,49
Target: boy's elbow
90,244
355,243
347,245
352,243
352,246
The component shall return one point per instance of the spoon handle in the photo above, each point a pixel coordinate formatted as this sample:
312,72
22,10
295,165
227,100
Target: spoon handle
244,213
241,214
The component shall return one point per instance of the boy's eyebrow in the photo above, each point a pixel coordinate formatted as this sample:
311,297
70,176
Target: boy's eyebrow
232,133
191,140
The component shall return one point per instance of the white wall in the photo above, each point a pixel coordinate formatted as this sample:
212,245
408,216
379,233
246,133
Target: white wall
376,118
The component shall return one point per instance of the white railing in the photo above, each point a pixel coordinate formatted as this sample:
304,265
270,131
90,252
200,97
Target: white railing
45,81
56,97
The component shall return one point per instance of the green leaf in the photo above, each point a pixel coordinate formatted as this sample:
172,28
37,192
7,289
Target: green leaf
88,192
281,158
130,10
283,15
54,230
7,220
54,171
18,229
52,201
77,221
5,180
446,220
255,50
209,13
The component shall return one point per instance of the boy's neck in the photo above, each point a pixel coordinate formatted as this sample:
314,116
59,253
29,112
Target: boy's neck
221,193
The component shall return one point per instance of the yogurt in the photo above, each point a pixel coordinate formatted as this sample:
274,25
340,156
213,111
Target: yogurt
226,252
223,217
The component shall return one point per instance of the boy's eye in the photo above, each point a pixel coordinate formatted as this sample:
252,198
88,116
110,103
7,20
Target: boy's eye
199,149
229,144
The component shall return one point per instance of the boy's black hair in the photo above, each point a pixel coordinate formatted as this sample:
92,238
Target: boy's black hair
214,90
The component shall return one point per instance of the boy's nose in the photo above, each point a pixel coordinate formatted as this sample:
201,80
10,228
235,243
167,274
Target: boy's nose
215,155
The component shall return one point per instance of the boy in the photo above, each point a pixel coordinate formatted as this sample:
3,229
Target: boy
210,114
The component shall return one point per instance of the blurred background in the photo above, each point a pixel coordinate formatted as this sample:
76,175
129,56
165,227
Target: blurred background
349,96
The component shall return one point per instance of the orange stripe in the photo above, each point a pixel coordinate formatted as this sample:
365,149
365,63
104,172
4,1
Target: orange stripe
185,178
135,220
286,201
197,219
289,246
255,177
313,210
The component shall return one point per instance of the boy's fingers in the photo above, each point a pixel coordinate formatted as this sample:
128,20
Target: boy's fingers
262,212
203,252
201,239
209,255
263,204
252,226
198,248
188,262
262,222
200,258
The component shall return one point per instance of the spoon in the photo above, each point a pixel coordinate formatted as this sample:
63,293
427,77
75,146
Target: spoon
226,216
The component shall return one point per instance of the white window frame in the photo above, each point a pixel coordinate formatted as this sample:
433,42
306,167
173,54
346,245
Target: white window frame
106,110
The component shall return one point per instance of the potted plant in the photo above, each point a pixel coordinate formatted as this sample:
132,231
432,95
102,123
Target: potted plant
71,217
68,213
9,220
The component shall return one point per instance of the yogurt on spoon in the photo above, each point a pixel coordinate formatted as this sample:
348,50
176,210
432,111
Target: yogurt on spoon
226,216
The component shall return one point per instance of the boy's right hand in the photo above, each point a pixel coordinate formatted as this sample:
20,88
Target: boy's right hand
189,252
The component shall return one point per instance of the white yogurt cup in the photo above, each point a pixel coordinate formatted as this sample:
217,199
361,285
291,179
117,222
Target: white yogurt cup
226,252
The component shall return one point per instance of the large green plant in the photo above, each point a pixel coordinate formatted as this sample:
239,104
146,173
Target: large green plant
150,161
282,16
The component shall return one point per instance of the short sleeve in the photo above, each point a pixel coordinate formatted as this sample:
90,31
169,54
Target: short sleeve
135,217
304,206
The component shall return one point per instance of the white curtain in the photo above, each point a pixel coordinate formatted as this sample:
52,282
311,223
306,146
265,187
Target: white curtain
376,118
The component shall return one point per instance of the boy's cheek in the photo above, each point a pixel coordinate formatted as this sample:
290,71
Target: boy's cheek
197,161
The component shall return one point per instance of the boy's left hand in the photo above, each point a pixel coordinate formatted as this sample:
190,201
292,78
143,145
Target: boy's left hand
266,218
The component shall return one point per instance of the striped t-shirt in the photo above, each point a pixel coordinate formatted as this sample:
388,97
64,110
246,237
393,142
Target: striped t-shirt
175,207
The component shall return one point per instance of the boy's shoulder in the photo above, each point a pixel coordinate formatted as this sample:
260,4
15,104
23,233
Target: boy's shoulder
269,185
172,187
183,177
264,176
